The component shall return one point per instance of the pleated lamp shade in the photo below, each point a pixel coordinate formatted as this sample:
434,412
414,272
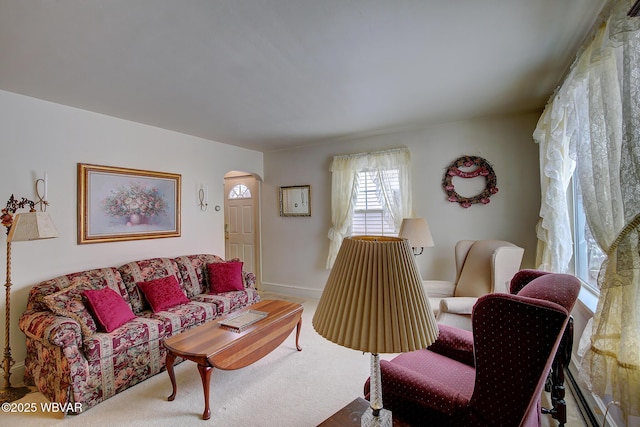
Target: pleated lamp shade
374,300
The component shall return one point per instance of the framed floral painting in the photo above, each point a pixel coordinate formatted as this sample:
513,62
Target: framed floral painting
117,204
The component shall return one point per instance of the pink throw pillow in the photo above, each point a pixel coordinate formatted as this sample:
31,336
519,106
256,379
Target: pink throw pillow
225,276
109,309
163,293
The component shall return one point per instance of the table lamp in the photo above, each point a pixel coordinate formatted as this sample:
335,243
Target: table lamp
374,302
416,230
25,226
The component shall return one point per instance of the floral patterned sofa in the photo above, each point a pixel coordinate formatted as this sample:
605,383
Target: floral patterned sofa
70,357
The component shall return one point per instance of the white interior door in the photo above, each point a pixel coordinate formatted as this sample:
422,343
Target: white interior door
241,221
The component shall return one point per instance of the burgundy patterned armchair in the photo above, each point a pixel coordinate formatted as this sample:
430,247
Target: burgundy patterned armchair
494,375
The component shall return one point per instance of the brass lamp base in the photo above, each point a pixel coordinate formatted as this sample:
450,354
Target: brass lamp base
10,394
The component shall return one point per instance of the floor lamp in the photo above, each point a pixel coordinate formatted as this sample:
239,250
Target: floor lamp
374,302
24,226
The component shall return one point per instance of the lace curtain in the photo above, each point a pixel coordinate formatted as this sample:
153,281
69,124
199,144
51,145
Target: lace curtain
344,190
594,119
556,168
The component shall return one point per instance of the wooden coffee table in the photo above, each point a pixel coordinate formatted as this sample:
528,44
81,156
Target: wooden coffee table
213,346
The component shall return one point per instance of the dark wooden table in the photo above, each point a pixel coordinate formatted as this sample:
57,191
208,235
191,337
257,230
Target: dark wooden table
350,415
212,346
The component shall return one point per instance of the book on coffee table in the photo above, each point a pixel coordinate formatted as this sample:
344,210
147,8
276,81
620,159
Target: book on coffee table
238,322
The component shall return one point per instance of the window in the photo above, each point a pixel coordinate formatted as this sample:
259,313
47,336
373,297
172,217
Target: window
370,194
369,215
587,253
240,191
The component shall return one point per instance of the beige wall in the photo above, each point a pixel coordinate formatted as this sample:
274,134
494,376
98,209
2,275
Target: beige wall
295,248
38,137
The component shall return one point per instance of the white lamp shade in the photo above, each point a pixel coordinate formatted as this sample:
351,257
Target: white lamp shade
31,226
416,230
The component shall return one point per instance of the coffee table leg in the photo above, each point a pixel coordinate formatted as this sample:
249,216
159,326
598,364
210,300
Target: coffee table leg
298,327
205,375
170,359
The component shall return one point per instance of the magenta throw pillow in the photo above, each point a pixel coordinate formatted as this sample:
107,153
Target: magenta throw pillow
225,276
163,293
109,309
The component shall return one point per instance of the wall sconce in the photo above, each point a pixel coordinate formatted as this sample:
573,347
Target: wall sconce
43,200
203,197
416,230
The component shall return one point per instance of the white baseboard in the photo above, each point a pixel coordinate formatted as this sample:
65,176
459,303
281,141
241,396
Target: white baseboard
296,291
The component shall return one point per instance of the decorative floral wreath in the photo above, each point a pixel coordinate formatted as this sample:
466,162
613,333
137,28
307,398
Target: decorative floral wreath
484,169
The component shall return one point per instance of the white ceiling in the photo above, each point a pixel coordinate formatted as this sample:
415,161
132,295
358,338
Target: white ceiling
269,74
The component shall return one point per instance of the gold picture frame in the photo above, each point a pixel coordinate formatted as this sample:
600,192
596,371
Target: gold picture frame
119,204
295,200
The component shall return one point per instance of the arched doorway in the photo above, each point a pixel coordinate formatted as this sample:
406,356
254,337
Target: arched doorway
242,220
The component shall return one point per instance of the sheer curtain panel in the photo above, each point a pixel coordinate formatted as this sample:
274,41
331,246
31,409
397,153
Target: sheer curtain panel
553,133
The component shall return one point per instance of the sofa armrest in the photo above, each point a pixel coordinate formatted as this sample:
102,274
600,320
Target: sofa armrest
249,279
454,343
50,329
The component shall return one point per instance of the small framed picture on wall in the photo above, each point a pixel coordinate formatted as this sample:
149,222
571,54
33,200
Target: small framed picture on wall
295,200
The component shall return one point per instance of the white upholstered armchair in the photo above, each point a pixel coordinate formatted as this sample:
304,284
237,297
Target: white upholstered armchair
482,267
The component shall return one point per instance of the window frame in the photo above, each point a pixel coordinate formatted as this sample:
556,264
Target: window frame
376,210
581,254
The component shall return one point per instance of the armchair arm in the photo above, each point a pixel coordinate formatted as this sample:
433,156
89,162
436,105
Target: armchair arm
454,343
50,329
457,305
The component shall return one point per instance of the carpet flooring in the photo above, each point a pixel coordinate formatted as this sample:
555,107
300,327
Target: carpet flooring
286,388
